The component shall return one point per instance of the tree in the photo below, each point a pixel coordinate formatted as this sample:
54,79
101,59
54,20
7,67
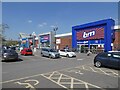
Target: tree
3,27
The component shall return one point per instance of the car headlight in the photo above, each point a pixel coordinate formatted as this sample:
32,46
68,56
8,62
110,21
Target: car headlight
53,54
5,55
70,55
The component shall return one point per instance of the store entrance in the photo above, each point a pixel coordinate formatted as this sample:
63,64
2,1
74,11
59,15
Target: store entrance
82,48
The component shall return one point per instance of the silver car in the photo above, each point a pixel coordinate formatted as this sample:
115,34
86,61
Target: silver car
48,52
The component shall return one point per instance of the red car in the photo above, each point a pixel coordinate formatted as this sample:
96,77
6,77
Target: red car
26,51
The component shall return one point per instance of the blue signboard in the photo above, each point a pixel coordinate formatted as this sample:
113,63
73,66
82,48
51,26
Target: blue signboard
44,38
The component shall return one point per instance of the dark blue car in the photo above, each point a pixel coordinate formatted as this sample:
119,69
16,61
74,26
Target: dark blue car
111,59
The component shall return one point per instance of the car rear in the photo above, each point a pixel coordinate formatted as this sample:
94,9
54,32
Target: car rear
10,55
29,52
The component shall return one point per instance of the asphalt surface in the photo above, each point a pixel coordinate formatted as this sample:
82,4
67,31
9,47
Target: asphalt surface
42,72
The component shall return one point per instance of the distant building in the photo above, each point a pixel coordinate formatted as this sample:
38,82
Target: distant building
47,40
63,40
116,43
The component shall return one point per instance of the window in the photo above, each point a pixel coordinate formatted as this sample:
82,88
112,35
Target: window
104,55
62,50
52,50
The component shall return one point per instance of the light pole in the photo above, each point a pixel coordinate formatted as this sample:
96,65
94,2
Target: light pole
55,30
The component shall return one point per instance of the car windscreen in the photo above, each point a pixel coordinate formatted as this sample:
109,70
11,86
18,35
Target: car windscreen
28,50
9,51
68,51
52,50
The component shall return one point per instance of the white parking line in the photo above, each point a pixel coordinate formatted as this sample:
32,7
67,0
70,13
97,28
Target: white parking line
80,59
103,71
93,69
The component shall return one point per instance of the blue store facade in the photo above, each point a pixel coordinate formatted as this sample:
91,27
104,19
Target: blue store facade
95,33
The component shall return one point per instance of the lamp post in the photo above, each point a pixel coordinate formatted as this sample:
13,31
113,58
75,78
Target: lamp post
55,30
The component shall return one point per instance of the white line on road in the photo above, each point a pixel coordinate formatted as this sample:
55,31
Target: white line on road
79,59
93,69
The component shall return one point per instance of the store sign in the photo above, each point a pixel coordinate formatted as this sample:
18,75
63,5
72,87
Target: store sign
44,38
58,41
90,34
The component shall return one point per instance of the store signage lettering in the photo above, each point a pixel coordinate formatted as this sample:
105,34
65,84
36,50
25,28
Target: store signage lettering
88,34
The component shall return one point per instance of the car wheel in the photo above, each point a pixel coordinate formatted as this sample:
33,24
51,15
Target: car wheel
50,56
42,55
67,55
98,64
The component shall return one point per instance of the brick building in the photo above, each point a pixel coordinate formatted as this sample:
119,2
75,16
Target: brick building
116,43
63,40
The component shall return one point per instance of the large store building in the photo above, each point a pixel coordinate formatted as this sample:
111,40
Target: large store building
93,35
97,36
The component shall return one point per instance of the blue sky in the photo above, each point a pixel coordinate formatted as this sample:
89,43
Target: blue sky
40,17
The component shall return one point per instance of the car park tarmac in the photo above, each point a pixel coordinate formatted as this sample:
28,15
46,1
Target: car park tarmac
67,73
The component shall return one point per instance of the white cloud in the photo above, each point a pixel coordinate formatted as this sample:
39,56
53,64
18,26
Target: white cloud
40,25
44,23
52,26
29,21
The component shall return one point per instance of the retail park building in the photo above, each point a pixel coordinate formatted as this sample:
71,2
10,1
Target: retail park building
101,35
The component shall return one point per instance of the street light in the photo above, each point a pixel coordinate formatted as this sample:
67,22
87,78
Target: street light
55,30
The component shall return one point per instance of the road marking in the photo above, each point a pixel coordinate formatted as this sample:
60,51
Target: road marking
84,68
71,82
28,85
51,75
59,79
19,79
79,72
32,76
54,81
103,71
114,73
79,59
93,69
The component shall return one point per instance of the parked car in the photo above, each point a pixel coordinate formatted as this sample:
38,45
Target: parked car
111,59
26,51
8,54
67,53
13,47
51,53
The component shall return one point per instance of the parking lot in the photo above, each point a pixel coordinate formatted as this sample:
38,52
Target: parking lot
66,73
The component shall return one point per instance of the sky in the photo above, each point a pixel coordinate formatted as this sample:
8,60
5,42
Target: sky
41,17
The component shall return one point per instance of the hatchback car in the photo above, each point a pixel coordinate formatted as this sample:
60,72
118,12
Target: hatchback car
111,59
51,53
26,51
67,53
9,55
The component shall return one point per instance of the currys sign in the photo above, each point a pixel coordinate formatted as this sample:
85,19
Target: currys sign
90,34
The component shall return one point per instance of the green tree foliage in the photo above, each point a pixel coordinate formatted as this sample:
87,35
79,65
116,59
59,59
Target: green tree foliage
11,42
3,27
